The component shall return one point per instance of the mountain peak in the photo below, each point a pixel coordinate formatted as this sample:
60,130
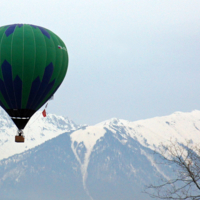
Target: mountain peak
106,153
38,130
113,122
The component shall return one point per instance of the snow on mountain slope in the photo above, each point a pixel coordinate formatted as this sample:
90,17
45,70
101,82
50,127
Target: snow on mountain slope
90,135
37,131
149,133
111,158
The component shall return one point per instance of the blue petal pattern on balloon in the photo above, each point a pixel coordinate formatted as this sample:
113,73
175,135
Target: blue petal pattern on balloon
8,83
12,90
11,28
18,90
40,89
34,89
43,30
4,93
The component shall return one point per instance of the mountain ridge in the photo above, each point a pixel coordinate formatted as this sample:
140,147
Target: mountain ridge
110,160
38,130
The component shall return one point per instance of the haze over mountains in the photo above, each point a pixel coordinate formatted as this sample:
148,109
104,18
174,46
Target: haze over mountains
110,160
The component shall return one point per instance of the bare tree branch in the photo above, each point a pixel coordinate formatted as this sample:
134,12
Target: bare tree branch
185,160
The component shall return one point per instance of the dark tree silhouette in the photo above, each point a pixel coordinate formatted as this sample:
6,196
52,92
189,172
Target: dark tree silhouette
185,162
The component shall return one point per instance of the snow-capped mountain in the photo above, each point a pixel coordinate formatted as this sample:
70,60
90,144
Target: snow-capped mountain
110,160
52,171
150,133
38,130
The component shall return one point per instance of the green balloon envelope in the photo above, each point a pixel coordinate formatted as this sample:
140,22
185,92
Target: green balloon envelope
33,63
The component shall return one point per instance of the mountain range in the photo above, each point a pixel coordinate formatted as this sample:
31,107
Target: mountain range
111,160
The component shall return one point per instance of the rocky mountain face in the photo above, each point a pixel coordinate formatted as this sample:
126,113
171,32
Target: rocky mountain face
110,160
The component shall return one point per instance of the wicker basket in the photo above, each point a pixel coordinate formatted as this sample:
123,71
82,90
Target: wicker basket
19,138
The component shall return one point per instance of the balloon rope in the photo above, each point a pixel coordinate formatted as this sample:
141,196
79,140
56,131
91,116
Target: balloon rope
39,113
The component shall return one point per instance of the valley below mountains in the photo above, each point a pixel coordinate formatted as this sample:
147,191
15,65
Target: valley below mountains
112,160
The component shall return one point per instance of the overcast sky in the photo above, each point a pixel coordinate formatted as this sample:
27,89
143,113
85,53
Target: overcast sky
130,59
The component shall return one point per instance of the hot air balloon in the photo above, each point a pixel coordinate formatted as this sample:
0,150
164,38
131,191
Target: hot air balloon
33,64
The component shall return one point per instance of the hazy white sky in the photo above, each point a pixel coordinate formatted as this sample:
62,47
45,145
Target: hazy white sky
130,59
